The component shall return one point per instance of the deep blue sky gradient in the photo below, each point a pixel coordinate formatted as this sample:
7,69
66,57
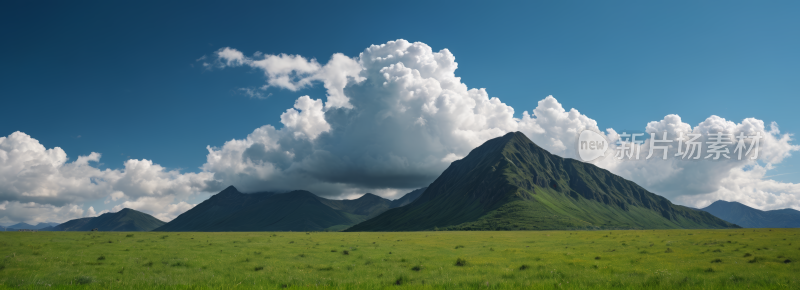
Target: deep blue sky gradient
124,77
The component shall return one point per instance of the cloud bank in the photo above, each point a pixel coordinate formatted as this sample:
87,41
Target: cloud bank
392,119
39,184
401,115
699,182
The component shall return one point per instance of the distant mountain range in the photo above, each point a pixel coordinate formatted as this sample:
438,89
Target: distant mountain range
748,217
231,210
125,220
510,183
25,226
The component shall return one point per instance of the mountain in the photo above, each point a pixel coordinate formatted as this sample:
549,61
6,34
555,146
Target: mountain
748,217
26,226
73,225
125,220
46,225
231,210
408,198
510,183
20,226
219,206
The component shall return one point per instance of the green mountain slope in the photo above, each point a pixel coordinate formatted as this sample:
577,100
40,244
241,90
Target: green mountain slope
231,210
748,217
510,183
218,207
292,211
125,220
72,225
368,205
408,198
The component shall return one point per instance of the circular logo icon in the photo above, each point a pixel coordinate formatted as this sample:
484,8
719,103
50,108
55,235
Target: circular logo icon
591,145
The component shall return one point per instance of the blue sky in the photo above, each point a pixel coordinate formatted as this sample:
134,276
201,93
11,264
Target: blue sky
124,80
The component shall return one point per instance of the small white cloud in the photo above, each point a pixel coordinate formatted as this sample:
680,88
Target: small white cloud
114,196
309,121
90,212
449,158
254,93
117,195
231,57
294,72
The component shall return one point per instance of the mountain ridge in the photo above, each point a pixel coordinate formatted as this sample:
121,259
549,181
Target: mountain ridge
298,210
748,217
26,226
125,220
511,183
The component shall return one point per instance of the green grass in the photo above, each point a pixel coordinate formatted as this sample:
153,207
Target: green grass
629,259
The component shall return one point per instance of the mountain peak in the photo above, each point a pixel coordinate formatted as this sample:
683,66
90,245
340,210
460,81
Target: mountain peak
129,211
748,217
368,196
230,190
297,210
725,203
510,183
516,134
125,220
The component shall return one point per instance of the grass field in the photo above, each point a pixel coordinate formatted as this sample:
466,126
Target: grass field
660,259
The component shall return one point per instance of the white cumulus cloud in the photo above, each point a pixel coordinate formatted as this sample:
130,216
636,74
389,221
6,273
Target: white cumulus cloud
696,182
37,182
392,120
408,115
294,72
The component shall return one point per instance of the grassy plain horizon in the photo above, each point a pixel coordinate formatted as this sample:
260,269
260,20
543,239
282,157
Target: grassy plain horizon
626,259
